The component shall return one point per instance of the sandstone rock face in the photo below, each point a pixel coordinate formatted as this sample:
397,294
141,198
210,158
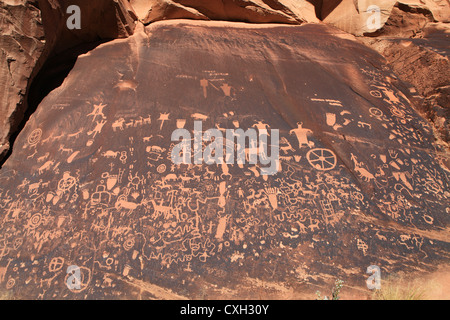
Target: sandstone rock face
257,11
417,48
358,18
23,53
439,8
359,181
21,43
101,19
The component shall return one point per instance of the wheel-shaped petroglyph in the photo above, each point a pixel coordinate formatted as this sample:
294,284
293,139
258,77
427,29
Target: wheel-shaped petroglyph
376,112
322,159
66,182
35,137
376,94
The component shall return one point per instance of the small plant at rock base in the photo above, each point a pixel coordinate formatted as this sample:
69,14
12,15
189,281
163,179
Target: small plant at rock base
334,292
337,289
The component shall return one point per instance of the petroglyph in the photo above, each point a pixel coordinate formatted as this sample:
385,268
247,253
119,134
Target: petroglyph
108,198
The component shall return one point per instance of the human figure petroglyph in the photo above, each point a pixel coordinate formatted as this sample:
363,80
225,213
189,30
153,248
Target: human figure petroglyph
302,135
262,128
98,111
98,128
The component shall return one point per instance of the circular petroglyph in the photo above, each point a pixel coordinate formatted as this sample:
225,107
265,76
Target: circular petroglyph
322,159
376,112
128,244
66,182
35,136
11,282
56,264
35,221
376,94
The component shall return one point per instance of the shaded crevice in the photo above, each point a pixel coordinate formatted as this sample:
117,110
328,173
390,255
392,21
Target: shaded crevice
48,77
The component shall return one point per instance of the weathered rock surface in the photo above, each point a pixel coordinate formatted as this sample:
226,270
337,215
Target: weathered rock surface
100,20
357,17
256,11
24,55
21,43
90,182
417,48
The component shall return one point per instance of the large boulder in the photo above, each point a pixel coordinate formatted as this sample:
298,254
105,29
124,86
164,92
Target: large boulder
91,186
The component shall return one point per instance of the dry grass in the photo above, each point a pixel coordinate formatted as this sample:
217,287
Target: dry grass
5,295
400,288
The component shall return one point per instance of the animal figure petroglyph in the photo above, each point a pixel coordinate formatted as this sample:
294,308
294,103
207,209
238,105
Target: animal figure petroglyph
139,122
122,204
155,149
33,188
312,226
65,150
148,120
32,155
365,174
75,135
43,158
110,154
46,166
160,209
118,124
287,147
